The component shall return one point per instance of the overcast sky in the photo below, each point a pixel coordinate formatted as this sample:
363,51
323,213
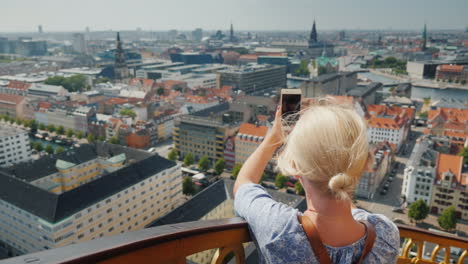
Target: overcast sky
66,15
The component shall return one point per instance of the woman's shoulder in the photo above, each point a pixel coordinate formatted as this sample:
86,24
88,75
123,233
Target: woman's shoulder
387,241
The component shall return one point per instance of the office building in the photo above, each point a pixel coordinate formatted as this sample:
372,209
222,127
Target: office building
337,83
14,146
197,34
79,43
28,47
70,117
254,78
82,194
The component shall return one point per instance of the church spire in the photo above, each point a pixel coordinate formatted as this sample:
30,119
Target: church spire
231,33
313,34
424,38
120,67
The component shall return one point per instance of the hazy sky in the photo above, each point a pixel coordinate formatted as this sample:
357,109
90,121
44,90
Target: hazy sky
67,15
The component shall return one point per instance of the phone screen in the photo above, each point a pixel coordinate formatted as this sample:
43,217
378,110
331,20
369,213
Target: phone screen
290,104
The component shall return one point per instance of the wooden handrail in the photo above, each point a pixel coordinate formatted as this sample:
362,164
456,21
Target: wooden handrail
173,243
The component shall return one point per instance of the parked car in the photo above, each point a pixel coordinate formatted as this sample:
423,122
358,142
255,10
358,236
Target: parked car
383,191
397,210
390,179
290,184
290,191
386,185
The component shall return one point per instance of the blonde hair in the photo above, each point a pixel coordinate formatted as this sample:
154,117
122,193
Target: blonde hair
327,146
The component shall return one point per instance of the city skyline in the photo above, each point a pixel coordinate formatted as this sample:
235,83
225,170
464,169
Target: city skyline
259,15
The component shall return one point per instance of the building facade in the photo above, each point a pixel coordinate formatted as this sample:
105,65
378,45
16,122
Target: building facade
248,139
14,146
372,177
251,79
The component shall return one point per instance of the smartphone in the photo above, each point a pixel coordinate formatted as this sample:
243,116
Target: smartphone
290,103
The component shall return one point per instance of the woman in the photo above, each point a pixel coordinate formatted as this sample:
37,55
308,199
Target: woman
327,151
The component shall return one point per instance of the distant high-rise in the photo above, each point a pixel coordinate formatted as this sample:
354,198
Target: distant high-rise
79,43
313,36
87,30
231,34
424,38
342,35
39,29
120,67
197,34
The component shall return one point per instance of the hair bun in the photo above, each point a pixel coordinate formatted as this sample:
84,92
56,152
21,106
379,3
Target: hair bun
341,186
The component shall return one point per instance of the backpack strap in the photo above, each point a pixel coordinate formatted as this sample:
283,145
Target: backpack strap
319,249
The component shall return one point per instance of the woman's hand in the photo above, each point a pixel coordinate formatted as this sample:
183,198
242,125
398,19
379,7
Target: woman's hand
276,135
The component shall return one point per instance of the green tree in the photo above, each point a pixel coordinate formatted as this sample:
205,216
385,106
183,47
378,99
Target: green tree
128,112
51,128
298,188
172,155
423,115
189,159
69,133
303,69
464,153
427,101
280,180
90,138
263,178
321,70
188,188
59,149
33,125
38,146
102,80
236,169
160,91
75,83
42,126
49,149
418,210
219,166
204,163
79,135
448,219
18,121
101,138
60,130
114,140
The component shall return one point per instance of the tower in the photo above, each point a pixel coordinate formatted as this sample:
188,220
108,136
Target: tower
313,36
39,29
120,67
424,38
231,34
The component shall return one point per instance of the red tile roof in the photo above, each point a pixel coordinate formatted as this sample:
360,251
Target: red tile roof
451,68
11,98
449,163
388,117
19,85
251,129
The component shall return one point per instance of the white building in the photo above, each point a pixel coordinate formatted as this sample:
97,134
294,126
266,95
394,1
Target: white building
127,197
79,43
419,174
373,177
14,146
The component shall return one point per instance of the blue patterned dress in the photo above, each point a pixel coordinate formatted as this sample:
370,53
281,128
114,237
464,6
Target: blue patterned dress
279,236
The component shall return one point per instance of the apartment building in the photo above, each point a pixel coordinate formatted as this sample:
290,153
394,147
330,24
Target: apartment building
70,117
115,189
389,124
249,137
372,177
14,146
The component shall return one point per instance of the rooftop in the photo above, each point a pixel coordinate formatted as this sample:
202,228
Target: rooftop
450,163
8,131
252,129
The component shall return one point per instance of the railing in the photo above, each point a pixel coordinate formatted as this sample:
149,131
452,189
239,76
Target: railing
173,243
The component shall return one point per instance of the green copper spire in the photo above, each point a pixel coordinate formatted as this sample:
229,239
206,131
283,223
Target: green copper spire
424,37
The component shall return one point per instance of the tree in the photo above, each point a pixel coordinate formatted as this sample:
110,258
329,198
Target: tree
75,83
49,149
101,138
298,188
114,140
59,149
90,138
173,155
427,101
204,163
418,210
280,180
464,153
188,188
303,69
160,91
33,126
128,112
321,70
69,133
42,126
38,146
51,128
60,130
189,159
423,115
79,135
102,80
263,178
448,219
236,169
18,121
219,166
